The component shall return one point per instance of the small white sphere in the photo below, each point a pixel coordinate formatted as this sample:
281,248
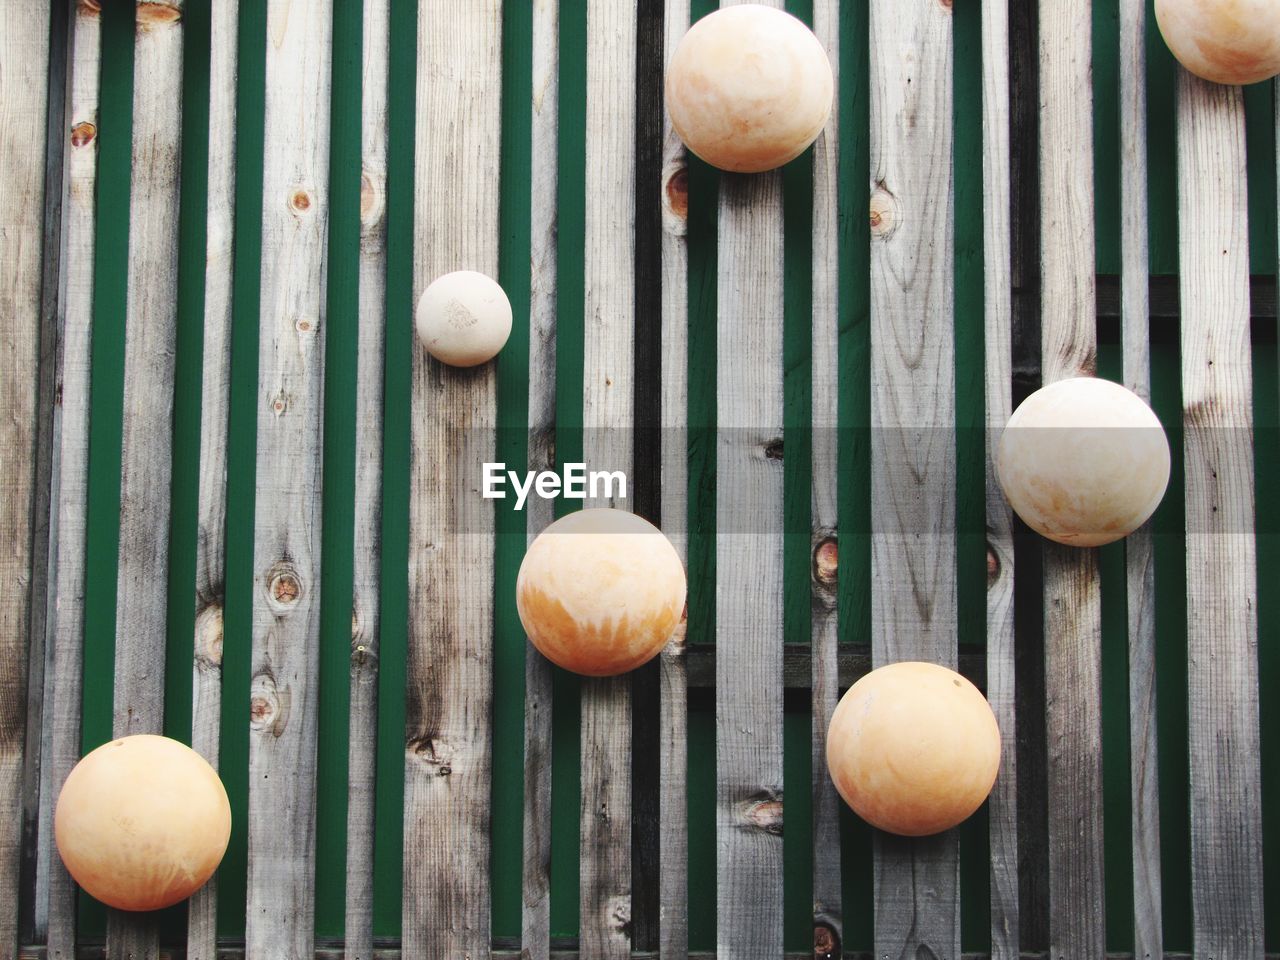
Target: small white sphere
749,88
1083,461
464,318
1225,41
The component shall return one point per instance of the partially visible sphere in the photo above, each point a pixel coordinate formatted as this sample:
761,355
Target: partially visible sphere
1226,41
1083,461
464,318
142,822
913,748
749,88
600,592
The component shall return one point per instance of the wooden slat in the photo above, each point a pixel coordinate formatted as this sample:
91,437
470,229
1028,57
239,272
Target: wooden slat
366,580
71,445
1002,809
1222,628
286,607
451,540
749,628
539,513
828,915
1144,781
673,812
608,419
215,398
913,468
24,68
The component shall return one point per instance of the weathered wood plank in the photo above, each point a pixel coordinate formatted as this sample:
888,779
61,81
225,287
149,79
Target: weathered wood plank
749,629
828,915
608,419
913,468
71,445
1002,809
24,73
451,538
673,812
1222,628
366,579
215,398
1144,781
539,513
286,608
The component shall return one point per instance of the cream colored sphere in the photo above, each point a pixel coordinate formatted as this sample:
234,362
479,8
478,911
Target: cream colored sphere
913,748
749,88
464,318
1083,461
142,822
600,592
1226,41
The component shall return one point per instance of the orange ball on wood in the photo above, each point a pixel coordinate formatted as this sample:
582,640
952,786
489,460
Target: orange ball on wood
142,822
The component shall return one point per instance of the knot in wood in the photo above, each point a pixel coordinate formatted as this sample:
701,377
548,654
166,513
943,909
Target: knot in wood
91,7
826,561
773,449
883,214
434,752
268,706
372,198
762,812
675,194
209,637
300,201
157,12
83,133
993,565
304,326
284,586
280,403
826,942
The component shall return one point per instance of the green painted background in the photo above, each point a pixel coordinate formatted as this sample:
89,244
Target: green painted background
854,596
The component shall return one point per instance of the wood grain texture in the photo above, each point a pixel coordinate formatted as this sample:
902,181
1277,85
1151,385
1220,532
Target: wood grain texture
913,468
451,540
24,68
1144,780
535,921
1002,808
1222,628
1072,598
215,398
673,812
749,625
608,420
286,604
828,915
366,579
71,445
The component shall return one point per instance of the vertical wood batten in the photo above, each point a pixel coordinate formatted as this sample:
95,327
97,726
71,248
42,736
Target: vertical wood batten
215,397
451,528
608,420
828,917
1144,782
913,465
673,818
365,605
535,924
1222,629
71,445
1072,599
286,604
24,72
998,315
749,567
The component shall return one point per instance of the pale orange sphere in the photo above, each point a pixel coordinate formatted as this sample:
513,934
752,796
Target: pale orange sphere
1225,41
913,748
749,88
600,592
142,822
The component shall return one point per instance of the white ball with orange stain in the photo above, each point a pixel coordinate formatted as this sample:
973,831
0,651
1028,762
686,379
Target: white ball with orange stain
913,748
142,822
463,318
1226,41
749,88
1083,461
600,592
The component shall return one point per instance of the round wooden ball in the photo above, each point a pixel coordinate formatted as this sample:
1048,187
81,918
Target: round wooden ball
464,318
1225,41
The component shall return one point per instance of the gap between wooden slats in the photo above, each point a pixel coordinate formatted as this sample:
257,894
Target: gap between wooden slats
913,469
1222,628
1072,600
215,396
287,528
449,676
539,513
